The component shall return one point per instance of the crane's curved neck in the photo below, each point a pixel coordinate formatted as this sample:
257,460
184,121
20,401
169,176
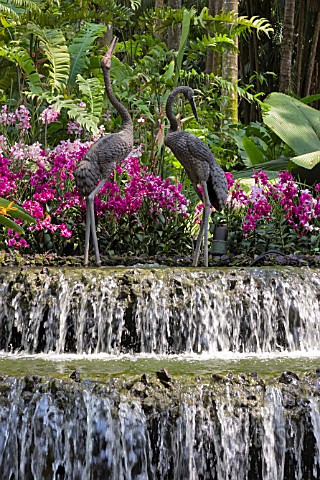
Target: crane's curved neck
121,109
171,117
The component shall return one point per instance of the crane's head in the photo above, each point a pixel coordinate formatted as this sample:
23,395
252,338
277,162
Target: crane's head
106,59
190,97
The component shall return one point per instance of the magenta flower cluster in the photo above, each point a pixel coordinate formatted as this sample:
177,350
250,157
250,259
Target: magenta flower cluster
42,182
20,118
49,115
299,207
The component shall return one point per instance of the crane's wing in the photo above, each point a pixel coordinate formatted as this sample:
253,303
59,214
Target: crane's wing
198,149
216,180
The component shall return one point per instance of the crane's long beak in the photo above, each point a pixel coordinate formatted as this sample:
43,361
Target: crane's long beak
106,59
113,45
194,109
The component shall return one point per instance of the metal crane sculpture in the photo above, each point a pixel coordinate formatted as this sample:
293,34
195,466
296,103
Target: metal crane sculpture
200,166
102,157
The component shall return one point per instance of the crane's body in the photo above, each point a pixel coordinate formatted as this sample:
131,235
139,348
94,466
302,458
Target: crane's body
102,157
200,166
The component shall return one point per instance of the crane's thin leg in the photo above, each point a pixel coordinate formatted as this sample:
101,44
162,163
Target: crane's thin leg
203,228
93,222
87,238
206,214
198,245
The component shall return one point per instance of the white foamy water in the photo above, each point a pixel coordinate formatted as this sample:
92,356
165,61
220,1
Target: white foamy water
162,311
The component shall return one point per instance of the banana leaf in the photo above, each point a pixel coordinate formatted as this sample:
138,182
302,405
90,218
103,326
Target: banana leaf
297,124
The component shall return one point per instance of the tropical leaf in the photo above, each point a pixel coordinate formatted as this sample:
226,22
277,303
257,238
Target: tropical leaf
8,12
168,74
271,168
240,25
255,154
18,8
55,49
297,124
21,57
81,48
122,72
86,119
8,223
308,160
10,209
311,98
187,15
16,211
93,91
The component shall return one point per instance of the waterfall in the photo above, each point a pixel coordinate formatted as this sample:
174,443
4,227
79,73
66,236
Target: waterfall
201,420
163,311
54,430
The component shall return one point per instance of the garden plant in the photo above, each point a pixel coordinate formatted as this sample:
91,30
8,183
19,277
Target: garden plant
53,107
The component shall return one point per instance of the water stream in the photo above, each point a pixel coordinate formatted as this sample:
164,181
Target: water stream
163,311
241,348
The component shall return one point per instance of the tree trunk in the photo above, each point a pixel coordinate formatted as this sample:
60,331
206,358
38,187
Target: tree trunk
213,59
174,32
230,70
287,46
313,53
300,45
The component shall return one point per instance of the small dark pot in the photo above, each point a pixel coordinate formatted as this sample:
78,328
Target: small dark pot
219,242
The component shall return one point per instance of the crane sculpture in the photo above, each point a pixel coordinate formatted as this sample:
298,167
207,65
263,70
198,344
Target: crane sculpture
200,166
102,157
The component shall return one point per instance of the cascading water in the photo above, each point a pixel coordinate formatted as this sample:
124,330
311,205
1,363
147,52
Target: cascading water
161,311
52,430
114,422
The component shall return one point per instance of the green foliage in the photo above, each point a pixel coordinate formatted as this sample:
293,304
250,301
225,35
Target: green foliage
21,57
15,9
236,25
297,124
81,48
9,209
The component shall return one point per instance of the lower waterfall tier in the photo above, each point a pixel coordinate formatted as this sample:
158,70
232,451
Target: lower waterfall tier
159,310
162,427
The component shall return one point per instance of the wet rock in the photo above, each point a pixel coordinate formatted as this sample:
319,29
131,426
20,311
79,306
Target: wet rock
76,376
140,390
30,382
289,378
164,377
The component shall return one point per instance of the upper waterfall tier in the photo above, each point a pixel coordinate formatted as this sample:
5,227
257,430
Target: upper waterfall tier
166,311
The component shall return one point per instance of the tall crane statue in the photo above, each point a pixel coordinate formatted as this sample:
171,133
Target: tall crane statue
102,157
200,166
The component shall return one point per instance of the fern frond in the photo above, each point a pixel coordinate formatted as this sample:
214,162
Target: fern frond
7,12
16,8
81,48
217,42
86,119
261,25
92,90
55,49
241,24
21,57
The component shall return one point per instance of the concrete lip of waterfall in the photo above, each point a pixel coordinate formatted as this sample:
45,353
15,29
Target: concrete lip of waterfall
101,367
